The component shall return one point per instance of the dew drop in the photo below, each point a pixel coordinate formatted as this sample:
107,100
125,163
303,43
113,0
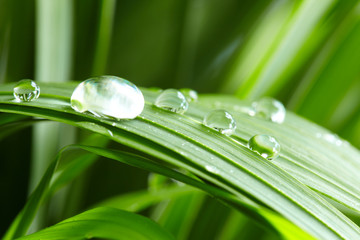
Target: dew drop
212,169
172,100
190,95
110,133
26,90
265,145
269,109
220,120
108,96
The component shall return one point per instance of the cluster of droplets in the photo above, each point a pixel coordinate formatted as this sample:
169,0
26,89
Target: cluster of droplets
26,90
111,96
265,108
271,110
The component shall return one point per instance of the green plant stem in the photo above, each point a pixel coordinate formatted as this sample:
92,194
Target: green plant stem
107,14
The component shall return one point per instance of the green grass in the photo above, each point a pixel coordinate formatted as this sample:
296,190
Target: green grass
165,173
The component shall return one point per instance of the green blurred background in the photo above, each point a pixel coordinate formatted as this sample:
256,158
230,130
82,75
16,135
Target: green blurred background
305,53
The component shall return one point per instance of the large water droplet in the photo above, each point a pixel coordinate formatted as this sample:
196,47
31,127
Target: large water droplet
265,145
220,120
269,109
108,96
172,100
26,90
190,95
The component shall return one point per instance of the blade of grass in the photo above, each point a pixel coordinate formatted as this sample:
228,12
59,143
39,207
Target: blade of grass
266,75
4,51
54,21
140,200
107,13
25,217
178,215
104,223
53,59
155,134
335,71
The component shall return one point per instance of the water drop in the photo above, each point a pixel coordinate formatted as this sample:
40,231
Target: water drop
265,145
26,90
190,95
172,100
110,133
108,96
212,169
220,120
269,109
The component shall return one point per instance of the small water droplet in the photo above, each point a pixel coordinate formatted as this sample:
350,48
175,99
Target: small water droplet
110,133
26,90
108,96
172,100
269,109
212,169
190,95
265,145
220,120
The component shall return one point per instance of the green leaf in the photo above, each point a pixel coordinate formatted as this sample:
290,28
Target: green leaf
10,123
25,217
140,200
283,34
108,8
334,72
179,214
104,222
182,141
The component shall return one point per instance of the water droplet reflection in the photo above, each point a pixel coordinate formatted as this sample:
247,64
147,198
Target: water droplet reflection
172,100
221,121
265,145
108,96
269,109
190,95
26,90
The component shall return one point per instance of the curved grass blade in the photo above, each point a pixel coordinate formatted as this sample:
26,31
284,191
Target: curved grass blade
183,142
140,200
10,123
305,151
104,223
25,217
